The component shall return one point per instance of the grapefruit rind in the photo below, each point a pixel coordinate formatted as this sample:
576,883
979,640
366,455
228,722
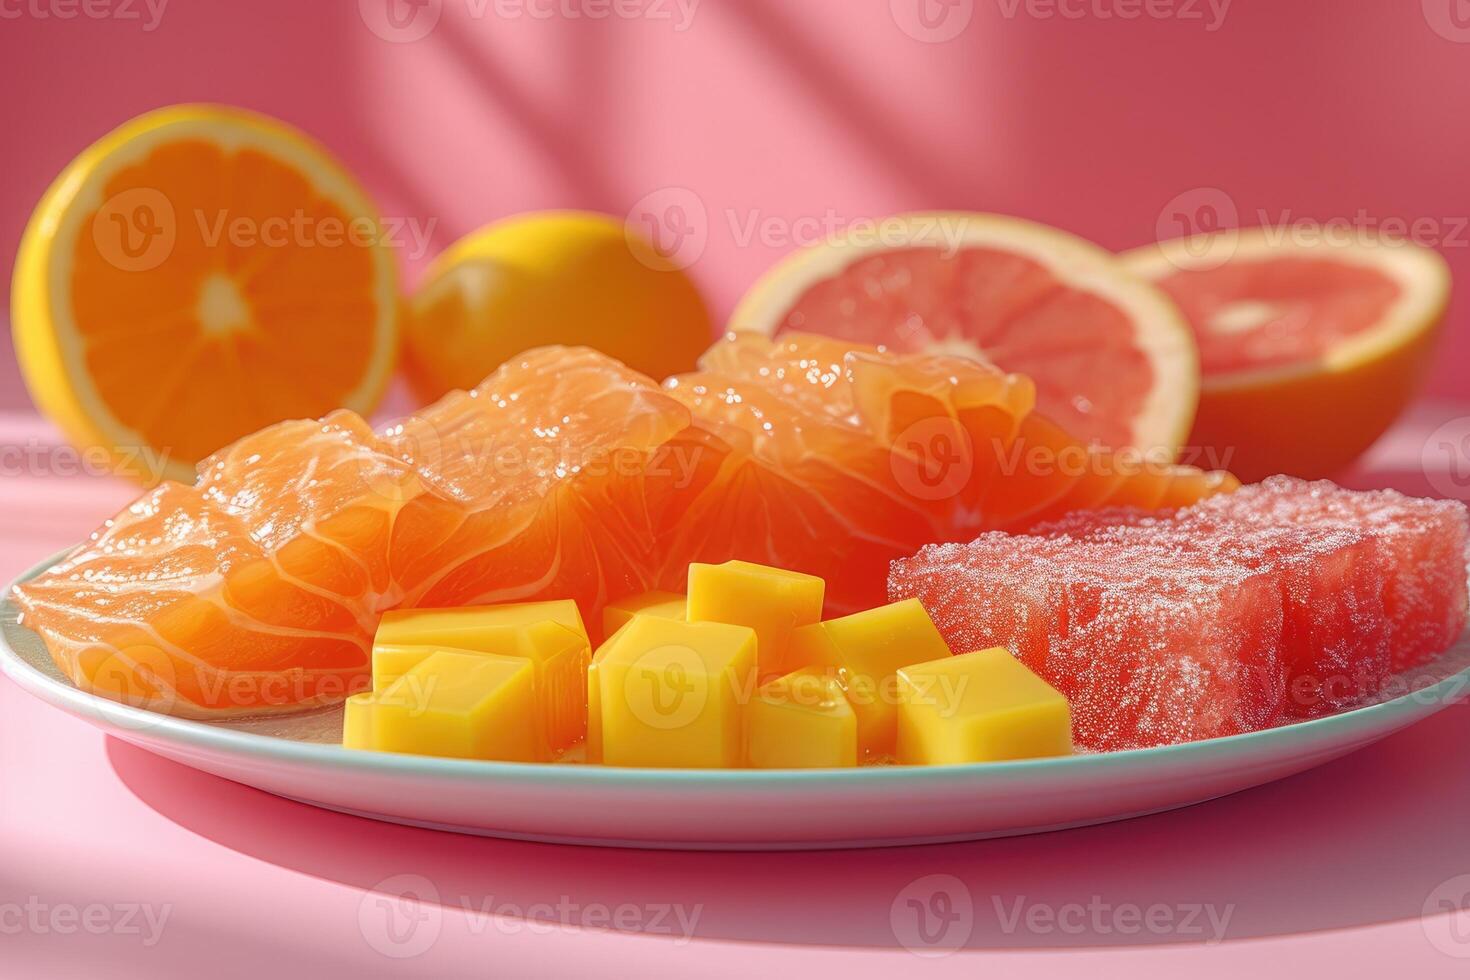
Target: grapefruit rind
47,341
1161,331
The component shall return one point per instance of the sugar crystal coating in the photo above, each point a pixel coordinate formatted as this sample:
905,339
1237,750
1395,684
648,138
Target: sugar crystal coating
1283,600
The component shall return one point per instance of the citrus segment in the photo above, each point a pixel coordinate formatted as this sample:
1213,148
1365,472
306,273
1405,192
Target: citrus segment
841,460
564,475
260,585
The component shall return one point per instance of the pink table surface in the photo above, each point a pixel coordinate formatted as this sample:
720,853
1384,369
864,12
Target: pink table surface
116,863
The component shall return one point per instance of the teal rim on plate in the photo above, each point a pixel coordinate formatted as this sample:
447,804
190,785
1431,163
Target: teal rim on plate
1444,682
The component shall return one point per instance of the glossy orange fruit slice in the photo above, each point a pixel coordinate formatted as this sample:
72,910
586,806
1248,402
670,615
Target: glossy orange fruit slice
195,275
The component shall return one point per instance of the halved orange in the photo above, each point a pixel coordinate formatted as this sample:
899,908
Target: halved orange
1113,362
195,275
1310,347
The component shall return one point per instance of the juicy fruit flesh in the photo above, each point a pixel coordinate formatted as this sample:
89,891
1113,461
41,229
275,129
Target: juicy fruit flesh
1272,313
231,313
841,460
563,475
1283,600
259,587
1004,307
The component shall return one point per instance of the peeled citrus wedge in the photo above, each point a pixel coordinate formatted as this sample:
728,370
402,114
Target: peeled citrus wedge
1113,362
551,277
196,274
1309,349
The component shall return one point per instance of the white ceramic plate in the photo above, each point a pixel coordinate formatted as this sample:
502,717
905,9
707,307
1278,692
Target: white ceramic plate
299,757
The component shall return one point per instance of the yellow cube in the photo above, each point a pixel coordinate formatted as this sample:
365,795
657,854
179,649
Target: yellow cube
771,601
594,696
460,705
392,660
615,615
984,706
560,657
556,644
671,694
487,628
357,720
866,650
801,721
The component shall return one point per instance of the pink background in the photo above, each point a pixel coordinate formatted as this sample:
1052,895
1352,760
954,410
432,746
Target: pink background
784,111
826,109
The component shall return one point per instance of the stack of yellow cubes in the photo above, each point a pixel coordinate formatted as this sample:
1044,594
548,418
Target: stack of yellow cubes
741,672
479,682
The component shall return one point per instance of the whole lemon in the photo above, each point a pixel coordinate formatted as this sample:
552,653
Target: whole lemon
550,277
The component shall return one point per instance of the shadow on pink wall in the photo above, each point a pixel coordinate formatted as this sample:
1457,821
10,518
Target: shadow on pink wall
780,121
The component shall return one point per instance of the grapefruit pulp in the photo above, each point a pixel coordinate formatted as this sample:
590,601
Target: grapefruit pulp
1112,361
1308,349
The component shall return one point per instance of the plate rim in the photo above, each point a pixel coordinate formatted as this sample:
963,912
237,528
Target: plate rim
204,735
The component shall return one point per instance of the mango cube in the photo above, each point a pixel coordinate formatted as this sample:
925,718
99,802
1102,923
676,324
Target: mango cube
801,721
487,628
670,694
771,601
615,615
984,706
392,660
460,705
866,651
560,657
555,644
594,696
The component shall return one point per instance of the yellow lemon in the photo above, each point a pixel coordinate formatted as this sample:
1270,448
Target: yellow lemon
555,277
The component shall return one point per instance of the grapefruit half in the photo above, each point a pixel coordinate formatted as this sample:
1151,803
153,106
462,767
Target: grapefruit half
1113,361
1309,347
